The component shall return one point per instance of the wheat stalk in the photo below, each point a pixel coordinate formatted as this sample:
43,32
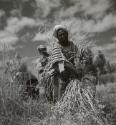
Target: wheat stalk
78,101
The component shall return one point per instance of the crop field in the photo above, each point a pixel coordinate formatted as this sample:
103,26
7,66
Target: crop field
16,111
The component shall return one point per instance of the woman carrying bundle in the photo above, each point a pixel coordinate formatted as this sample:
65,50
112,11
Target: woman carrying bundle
67,62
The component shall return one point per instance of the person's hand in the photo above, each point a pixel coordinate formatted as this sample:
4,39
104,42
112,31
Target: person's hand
61,67
42,90
37,87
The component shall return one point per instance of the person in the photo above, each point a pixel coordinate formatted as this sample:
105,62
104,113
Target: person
43,60
67,62
62,59
76,59
100,62
68,48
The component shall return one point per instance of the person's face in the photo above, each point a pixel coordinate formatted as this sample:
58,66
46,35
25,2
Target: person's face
43,53
62,37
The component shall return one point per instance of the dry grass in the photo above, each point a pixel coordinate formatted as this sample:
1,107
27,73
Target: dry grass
107,95
108,78
15,111
75,107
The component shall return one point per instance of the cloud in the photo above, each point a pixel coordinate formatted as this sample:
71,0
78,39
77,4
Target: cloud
1,64
69,12
99,20
114,39
111,46
2,13
81,15
90,26
9,35
94,8
107,47
47,5
43,36
108,22
16,13
15,24
97,8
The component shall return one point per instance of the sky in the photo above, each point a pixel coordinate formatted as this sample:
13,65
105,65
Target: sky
25,24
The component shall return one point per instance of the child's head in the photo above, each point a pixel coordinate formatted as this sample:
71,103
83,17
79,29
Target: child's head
42,50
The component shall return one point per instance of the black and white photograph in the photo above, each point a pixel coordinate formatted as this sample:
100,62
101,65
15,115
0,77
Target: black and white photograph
57,62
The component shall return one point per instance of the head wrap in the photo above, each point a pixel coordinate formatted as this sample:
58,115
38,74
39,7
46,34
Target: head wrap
41,48
58,27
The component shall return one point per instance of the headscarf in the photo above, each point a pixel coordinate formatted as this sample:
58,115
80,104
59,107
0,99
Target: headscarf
41,48
58,27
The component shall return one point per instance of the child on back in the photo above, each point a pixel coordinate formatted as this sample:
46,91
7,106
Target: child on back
43,58
42,62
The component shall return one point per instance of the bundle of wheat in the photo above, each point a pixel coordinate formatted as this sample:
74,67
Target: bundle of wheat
77,104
